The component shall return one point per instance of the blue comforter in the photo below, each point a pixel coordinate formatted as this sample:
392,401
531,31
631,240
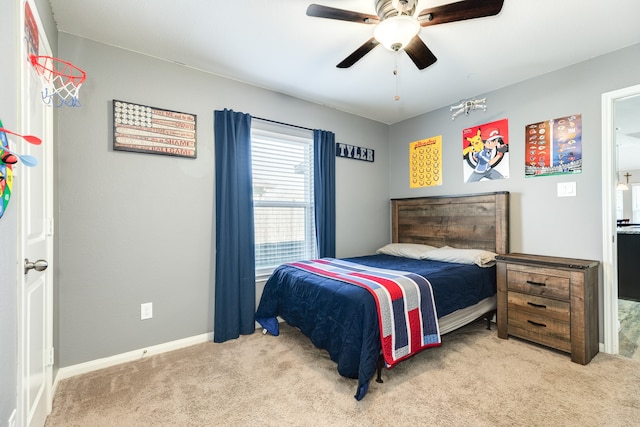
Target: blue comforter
342,318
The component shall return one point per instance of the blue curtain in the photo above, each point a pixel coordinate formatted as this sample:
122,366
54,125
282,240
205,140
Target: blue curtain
324,180
235,282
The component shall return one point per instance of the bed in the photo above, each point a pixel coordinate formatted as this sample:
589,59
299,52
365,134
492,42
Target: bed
343,319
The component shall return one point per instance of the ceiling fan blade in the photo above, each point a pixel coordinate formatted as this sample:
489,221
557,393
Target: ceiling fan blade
320,11
419,53
359,53
459,11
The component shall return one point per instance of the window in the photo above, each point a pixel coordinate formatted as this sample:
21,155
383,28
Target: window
619,204
282,168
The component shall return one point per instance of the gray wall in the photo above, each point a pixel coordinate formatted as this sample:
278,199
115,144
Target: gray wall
137,228
541,222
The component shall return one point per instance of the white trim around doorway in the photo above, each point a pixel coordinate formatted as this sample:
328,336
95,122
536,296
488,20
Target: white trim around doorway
609,235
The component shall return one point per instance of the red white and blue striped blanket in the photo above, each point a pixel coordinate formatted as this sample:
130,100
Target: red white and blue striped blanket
406,310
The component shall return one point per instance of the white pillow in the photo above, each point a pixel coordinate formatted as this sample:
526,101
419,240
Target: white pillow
479,257
406,250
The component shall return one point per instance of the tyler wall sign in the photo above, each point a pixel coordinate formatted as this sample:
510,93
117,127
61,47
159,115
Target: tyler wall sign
353,152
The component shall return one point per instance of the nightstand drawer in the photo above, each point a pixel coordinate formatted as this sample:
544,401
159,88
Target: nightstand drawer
537,281
550,308
540,329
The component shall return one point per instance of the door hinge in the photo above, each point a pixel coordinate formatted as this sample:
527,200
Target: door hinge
51,356
50,227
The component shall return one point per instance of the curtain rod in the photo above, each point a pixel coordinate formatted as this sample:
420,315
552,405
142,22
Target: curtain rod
281,123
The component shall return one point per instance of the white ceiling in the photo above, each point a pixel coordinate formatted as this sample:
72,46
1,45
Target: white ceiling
273,44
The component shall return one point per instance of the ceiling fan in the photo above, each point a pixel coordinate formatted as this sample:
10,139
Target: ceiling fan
398,26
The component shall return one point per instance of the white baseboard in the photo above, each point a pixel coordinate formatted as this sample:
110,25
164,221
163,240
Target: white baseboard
130,356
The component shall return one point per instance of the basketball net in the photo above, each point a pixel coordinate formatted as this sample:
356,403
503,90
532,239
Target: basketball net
62,80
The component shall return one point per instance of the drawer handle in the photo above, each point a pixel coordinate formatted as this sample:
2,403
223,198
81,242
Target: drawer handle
536,305
536,283
537,324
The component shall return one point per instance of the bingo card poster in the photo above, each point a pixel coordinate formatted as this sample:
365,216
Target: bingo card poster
425,162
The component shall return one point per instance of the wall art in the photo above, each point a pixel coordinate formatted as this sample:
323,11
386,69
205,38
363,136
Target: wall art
425,162
485,151
144,129
554,147
354,152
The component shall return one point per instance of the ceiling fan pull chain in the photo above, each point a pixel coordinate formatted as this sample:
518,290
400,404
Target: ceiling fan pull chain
395,73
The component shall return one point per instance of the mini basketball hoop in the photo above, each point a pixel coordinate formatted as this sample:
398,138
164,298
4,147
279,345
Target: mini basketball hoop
62,80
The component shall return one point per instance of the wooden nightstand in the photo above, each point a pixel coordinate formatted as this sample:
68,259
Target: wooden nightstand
551,301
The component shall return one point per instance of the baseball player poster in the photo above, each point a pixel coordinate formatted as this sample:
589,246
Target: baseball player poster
554,147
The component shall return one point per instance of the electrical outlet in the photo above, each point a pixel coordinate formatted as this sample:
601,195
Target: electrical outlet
146,311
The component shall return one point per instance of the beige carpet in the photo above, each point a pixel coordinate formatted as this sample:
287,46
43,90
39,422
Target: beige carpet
474,379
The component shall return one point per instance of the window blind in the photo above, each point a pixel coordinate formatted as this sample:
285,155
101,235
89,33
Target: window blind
282,168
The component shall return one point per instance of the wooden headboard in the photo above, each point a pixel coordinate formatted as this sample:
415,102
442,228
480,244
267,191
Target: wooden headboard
478,221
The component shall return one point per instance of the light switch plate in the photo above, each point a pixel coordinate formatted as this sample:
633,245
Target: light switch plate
566,189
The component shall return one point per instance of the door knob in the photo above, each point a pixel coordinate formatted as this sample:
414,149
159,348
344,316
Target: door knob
39,265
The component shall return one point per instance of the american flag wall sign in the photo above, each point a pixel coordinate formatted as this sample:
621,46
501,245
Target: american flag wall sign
144,129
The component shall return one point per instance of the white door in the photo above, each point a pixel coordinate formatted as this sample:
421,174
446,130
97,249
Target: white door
34,186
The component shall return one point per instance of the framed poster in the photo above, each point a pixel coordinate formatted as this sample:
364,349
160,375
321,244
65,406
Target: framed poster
485,151
554,147
425,162
144,129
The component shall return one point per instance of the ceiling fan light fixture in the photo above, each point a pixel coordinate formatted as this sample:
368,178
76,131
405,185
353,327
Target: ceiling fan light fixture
396,32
